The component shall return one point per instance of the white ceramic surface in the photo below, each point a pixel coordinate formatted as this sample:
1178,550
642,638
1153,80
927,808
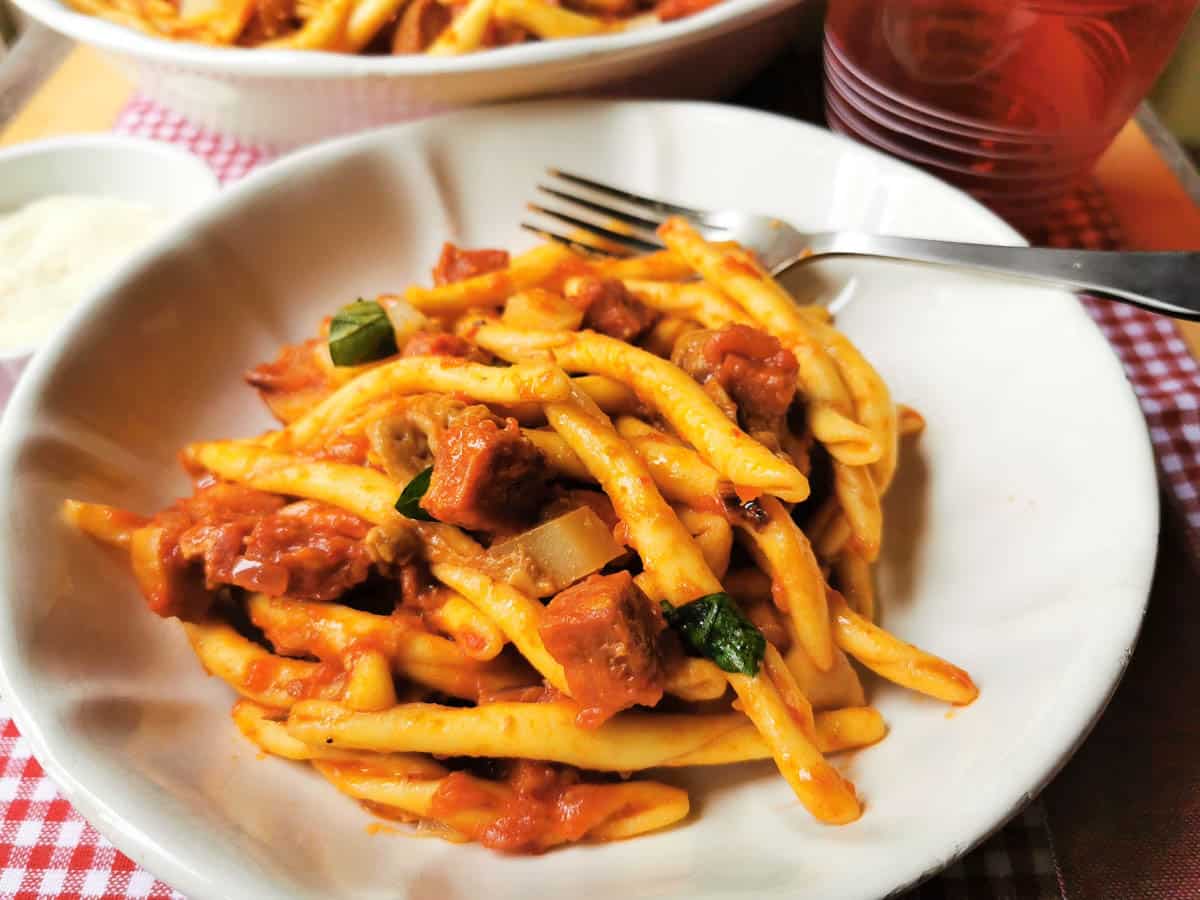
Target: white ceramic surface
281,99
132,169
1020,533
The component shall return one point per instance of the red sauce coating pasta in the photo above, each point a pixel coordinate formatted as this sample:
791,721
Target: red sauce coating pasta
547,805
753,368
293,382
228,534
438,343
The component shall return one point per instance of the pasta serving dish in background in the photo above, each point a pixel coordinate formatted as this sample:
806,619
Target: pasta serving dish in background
243,68
436,27
544,526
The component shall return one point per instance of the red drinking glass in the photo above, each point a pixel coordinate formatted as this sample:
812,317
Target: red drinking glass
1012,100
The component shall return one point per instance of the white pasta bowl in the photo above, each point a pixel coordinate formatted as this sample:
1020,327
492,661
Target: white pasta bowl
284,98
1020,534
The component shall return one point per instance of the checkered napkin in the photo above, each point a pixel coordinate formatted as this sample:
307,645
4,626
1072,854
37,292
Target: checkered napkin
47,850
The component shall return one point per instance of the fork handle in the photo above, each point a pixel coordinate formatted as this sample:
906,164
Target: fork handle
1167,283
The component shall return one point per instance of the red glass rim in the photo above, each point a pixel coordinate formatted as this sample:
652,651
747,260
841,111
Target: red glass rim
995,132
854,82
892,120
1025,209
872,133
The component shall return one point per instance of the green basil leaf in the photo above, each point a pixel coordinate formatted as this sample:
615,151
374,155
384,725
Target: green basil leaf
361,333
409,503
714,627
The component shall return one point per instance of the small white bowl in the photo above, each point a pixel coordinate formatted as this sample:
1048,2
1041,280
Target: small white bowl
129,168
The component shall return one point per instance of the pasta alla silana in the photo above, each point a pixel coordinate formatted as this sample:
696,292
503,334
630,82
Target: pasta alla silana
462,593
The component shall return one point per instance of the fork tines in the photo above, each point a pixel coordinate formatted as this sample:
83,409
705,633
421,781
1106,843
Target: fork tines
603,219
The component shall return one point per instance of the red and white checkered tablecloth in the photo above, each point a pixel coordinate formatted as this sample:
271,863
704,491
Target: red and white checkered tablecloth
228,158
48,851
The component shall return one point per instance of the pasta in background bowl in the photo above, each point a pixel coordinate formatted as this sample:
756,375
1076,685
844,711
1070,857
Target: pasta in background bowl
996,544
380,27
283,95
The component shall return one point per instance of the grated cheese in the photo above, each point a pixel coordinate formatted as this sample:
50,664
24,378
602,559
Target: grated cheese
53,251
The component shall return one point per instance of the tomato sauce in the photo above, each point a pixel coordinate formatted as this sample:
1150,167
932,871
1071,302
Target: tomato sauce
544,806
294,382
439,343
739,265
227,534
296,633
270,673
314,550
757,371
346,448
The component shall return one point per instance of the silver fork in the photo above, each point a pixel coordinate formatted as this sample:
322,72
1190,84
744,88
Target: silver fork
611,221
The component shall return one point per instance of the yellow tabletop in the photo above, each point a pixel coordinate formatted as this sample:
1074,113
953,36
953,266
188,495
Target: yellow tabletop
87,92
84,94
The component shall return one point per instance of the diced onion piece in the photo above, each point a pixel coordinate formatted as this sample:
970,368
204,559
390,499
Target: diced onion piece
405,318
548,558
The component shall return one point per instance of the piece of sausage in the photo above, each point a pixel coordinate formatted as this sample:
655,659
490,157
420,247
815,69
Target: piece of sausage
487,476
610,309
605,633
227,534
457,264
752,367
208,528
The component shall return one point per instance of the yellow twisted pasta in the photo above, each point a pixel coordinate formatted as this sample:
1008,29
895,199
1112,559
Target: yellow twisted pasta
330,632
897,661
421,374
675,396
